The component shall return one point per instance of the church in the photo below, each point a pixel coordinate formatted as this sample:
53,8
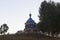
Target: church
30,25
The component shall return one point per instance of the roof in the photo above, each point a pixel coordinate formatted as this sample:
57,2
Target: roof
30,20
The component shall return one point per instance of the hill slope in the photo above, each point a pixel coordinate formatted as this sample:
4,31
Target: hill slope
29,36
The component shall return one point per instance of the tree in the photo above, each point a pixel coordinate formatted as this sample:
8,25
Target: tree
49,17
3,28
42,12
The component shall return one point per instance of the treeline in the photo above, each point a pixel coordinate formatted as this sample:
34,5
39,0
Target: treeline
49,16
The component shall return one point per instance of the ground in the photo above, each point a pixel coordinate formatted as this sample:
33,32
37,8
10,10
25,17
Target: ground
27,36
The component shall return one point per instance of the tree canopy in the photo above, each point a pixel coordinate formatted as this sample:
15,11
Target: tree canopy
49,15
4,28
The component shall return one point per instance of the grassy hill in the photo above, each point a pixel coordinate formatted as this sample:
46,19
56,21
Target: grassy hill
29,36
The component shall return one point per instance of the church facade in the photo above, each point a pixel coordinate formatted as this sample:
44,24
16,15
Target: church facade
30,25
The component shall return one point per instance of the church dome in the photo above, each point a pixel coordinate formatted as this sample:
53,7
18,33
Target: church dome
30,25
30,20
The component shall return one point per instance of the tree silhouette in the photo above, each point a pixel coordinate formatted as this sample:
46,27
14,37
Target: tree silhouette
49,14
3,28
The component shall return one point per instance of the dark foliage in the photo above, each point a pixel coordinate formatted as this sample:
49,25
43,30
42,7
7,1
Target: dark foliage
3,28
49,17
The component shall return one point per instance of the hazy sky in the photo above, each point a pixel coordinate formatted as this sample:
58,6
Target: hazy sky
16,12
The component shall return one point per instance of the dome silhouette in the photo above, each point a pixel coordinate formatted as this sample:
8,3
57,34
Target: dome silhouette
30,25
30,20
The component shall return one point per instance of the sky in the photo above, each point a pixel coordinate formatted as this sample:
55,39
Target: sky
16,12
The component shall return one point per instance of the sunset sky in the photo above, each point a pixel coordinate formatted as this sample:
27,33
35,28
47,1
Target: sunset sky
16,12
